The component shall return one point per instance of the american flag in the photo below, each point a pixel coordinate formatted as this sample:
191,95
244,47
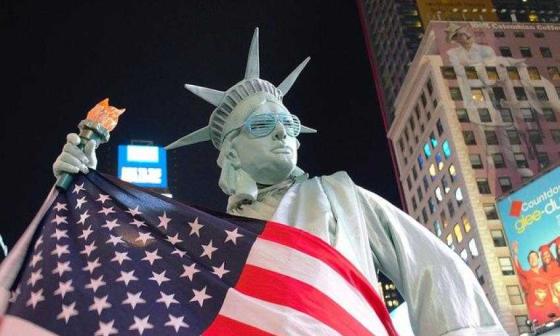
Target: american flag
111,259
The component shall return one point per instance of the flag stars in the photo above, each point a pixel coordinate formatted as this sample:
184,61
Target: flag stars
78,188
80,202
179,252
106,329
138,223
88,248
94,284
85,233
163,221
126,277
151,256
83,218
114,240
141,324
14,295
103,198
36,258
208,249
232,236
134,212
159,277
67,312
61,268
60,206
167,299
120,257
63,288
195,227
176,322
59,234
35,298
59,219
99,304
200,296
189,271
60,250
106,211
34,277
92,265
174,240
133,299
220,271
110,225
144,237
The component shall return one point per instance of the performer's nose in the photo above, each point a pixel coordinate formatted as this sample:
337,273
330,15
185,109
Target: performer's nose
280,131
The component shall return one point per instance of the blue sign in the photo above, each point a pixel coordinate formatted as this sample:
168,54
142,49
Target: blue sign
145,166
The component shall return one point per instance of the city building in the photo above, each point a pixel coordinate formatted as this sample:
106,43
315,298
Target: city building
475,118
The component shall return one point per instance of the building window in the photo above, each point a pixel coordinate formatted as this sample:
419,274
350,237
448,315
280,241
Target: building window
505,183
521,321
554,73
414,173
432,171
498,160
483,186
437,228
446,149
491,137
433,140
439,161
555,135
538,34
525,52
445,184
426,183
448,72
514,295
458,233
420,162
543,159
548,114
469,137
455,93
492,73
499,94
484,115
477,94
414,204
450,208
466,223
513,137
519,34
520,93
521,160
498,238
479,275
476,162
423,99
430,87
513,73
459,196
528,114
499,34
541,93
473,248
506,266
506,52
417,111
452,172
534,73
424,216
535,137
506,115
412,124
471,72
490,210
545,52
439,194
420,194
432,205
439,127
462,115
449,240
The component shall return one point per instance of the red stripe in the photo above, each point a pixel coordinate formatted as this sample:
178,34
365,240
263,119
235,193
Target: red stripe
286,291
315,247
224,326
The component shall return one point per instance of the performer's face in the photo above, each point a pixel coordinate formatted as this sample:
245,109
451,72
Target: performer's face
463,37
269,159
546,257
534,259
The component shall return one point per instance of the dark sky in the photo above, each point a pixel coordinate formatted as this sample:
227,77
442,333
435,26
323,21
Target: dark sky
59,59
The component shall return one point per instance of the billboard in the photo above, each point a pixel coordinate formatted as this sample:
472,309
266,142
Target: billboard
145,166
531,220
456,10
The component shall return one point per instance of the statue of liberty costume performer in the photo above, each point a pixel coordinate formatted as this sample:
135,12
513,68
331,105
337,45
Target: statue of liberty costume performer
257,139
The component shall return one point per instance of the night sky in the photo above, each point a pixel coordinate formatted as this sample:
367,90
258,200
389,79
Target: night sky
59,59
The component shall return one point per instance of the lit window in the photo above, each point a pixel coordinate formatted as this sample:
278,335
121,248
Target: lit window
420,161
506,266
492,73
448,73
464,255
471,72
513,73
446,149
498,238
452,172
439,161
433,140
427,151
514,294
473,248
458,233
445,184
477,94
459,195
554,73
432,171
534,73
439,195
449,240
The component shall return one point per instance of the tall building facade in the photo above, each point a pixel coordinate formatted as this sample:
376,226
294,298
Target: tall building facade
475,118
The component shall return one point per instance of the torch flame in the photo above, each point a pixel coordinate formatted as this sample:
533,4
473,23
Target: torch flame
106,115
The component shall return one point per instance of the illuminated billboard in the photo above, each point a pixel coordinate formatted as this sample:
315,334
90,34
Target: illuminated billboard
145,166
531,220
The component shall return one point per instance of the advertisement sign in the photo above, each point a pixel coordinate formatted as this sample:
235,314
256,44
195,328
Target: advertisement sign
145,166
456,10
531,220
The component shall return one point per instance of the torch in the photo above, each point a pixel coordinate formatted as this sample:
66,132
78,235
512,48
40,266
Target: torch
100,120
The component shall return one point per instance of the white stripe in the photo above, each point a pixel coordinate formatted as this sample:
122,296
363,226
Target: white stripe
12,325
314,272
273,318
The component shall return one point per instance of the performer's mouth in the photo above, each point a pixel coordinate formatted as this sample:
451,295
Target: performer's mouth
282,150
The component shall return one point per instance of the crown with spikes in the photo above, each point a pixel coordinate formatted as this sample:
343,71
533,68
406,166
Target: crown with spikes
226,102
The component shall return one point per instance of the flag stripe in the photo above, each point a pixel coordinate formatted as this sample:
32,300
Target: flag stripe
271,318
283,290
314,272
224,326
300,240
10,323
